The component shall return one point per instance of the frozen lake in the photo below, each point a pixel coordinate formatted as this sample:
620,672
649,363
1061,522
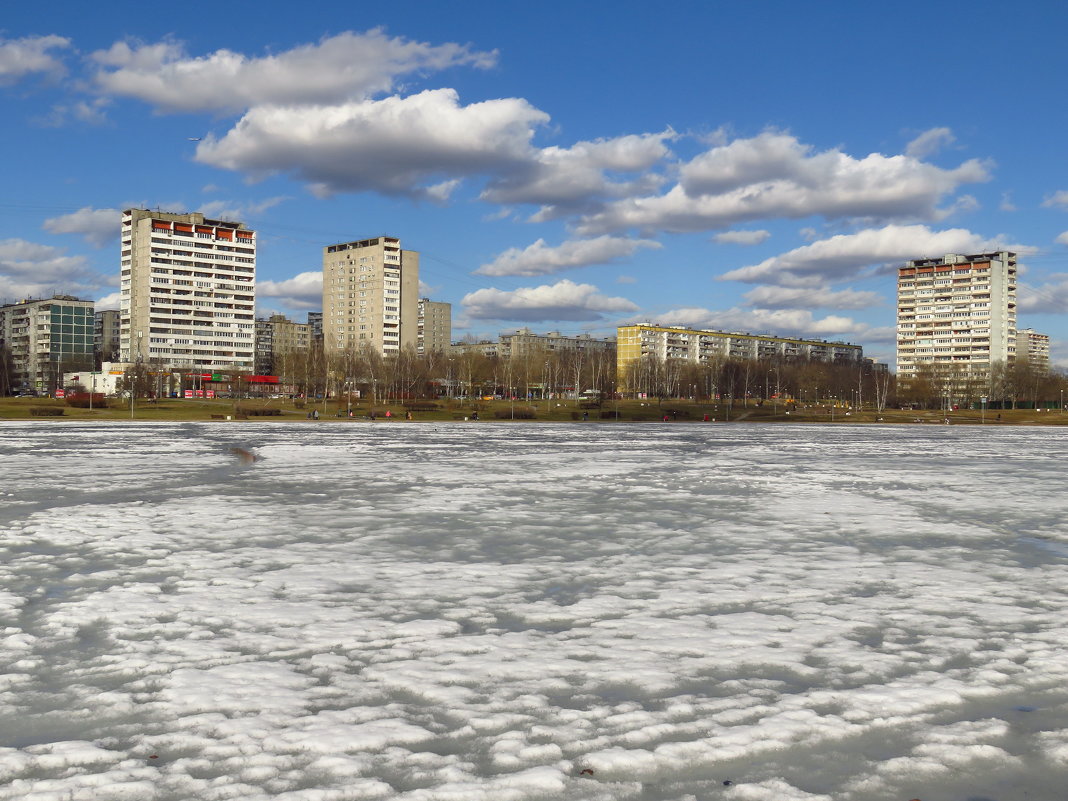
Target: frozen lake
527,612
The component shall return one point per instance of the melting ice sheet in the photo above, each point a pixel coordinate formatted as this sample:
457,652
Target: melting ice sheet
532,612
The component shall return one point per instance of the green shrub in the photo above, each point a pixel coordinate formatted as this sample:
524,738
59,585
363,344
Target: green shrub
47,411
520,413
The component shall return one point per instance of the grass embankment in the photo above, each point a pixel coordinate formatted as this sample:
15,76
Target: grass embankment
681,411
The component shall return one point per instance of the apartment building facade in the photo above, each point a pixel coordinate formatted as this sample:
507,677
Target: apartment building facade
1033,348
666,342
315,326
524,341
107,331
280,340
188,291
370,296
46,337
956,316
434,326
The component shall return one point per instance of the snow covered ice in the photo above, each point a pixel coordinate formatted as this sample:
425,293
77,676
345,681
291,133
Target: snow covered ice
514,612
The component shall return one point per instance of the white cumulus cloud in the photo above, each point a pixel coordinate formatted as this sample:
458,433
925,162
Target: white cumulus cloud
394,145
29,269
929,142
347,66
774,175
108,301
742,237
845,256
1050,297
237,211
302,291
97,226
563,179
564,300
29,55
780,297
780,322
542,259
1058,199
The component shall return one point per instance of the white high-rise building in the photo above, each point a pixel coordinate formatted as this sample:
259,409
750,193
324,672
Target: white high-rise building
188,291
956,316
370,295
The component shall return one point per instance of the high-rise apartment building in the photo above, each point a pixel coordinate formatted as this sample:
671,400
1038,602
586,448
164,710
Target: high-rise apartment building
434,328
370,295
315,326
188,291
1033,348
281,344
107,330
46,337
956,317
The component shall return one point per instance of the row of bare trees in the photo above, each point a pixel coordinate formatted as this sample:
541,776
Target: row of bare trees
746,381
1008,386
543,373
531,373
540,373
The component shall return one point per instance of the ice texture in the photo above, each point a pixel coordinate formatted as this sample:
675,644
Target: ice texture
530,612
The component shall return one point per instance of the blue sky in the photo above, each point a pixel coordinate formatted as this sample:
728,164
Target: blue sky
565,166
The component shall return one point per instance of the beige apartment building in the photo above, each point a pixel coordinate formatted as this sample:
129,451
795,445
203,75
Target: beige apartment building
434,326
280,340
667,342
370,295
956,315
1033,348
188,291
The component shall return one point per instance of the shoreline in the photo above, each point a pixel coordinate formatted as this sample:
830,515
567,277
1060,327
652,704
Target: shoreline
489,412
